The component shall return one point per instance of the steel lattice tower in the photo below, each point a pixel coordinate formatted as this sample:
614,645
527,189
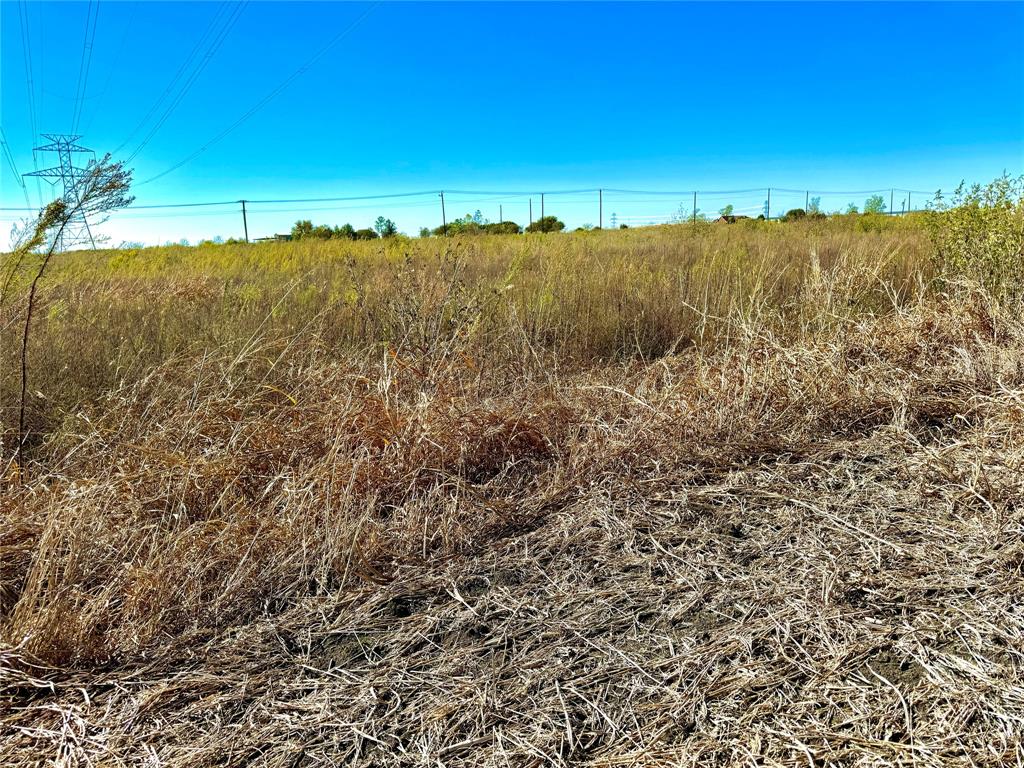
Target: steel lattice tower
77,230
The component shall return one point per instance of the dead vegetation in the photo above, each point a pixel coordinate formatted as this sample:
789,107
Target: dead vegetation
799,546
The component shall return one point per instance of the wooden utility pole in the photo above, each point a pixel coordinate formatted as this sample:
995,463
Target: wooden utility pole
768,206
444,221
600,209
245,221
531,210
695,207
909,209
542,206
892,193
501,216
807,200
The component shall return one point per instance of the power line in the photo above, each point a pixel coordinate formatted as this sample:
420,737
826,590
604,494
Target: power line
218,41
266,99
92,18
113,66
14,167
185,65
26,48
507,195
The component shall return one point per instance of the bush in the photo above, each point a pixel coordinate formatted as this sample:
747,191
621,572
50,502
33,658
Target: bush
546,224
979,234
794,214
503,228
365,234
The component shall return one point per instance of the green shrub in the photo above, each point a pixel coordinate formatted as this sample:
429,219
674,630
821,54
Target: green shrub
546,224
979,234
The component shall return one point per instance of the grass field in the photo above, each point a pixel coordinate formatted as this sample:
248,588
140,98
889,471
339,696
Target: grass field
688,495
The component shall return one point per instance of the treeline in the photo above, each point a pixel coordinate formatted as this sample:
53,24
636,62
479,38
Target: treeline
306,230
476,224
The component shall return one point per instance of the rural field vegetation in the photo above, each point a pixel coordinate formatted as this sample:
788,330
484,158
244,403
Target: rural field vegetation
695,494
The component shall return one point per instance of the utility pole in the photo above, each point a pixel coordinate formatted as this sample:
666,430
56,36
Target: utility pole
600,209
245,221
444,220
695,206
768,206
807,200
909,209
542,205
531,210
77,230
501,216
892,193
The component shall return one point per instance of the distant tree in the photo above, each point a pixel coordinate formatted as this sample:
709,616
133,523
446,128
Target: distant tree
851,208
344,232
425,232
470,224
302,229
794,214
385,227
874,204
684,214
366,234
623,226
546,224
814,206
727,211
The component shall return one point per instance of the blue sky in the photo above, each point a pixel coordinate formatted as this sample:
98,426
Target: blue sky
517,97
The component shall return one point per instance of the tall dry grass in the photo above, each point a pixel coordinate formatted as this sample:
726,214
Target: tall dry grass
436,526
108,318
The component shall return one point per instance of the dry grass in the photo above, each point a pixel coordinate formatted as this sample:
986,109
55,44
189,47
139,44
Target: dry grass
799,545
107,319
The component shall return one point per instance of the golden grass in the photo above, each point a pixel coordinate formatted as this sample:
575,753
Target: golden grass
108,318
793,540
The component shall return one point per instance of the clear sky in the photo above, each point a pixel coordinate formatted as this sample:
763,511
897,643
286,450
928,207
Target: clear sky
527,97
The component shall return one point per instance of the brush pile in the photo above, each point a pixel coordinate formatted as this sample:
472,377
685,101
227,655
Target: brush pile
802,551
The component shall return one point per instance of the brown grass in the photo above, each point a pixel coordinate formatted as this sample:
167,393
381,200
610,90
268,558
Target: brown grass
798,545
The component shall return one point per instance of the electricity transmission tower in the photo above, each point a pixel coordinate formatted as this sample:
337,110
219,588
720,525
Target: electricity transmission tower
77,230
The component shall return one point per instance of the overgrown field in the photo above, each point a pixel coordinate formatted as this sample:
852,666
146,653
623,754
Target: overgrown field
720,494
